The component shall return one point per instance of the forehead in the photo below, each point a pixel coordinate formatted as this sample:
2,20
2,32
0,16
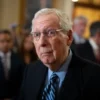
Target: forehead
46,21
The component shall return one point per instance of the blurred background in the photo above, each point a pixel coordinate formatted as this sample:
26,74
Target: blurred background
19,13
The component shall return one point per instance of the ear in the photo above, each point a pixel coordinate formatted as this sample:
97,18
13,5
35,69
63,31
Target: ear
70,37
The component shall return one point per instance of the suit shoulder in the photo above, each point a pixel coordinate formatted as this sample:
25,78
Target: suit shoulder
90,68
35,65
85,63
88,63
83,45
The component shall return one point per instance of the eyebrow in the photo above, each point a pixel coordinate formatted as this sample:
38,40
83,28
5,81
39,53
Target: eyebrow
48,28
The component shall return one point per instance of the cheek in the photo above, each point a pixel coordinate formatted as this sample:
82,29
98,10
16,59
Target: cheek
58,47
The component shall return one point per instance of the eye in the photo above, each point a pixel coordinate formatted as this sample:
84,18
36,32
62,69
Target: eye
36,34
51,32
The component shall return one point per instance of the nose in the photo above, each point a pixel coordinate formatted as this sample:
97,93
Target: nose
43,40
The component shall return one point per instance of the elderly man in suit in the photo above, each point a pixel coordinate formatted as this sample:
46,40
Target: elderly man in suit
58,74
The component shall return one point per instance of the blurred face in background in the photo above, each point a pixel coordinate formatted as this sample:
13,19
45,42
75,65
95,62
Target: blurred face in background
5,43
79,27
28,44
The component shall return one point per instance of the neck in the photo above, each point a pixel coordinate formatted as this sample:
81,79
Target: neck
55,66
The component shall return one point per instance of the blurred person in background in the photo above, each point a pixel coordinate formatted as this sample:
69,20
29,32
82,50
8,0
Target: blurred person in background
91,48
27,51
79,25
14,34
17,37
11,67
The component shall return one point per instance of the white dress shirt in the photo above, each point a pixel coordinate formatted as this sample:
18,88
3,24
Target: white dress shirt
94,46
78,39
8,59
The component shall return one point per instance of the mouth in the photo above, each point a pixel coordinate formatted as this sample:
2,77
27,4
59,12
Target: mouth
46,53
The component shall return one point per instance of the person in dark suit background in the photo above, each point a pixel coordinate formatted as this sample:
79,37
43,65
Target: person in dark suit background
11,67
91,48
79,26
59,74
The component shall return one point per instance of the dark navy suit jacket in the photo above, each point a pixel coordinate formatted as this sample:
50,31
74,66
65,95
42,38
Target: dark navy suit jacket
85,51
82,81
10,87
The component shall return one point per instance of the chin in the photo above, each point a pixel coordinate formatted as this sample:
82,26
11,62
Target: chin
48,61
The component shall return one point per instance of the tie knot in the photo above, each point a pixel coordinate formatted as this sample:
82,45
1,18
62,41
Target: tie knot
54,78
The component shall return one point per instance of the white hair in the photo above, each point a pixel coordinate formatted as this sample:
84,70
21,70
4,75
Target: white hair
64,21
78,18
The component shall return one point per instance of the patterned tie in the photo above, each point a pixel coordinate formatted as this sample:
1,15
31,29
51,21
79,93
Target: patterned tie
50,91
5,66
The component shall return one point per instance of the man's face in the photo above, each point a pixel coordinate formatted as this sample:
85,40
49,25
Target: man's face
5,43
50,50
79,27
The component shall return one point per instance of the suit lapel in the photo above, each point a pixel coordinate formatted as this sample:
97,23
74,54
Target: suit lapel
37,81
2,77
71,87
12,63
90,51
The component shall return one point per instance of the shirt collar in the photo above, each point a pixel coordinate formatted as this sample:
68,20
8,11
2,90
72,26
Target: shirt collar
78,39
93,44
7,54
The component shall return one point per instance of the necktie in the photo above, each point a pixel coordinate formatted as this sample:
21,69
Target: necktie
5,66
50,91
